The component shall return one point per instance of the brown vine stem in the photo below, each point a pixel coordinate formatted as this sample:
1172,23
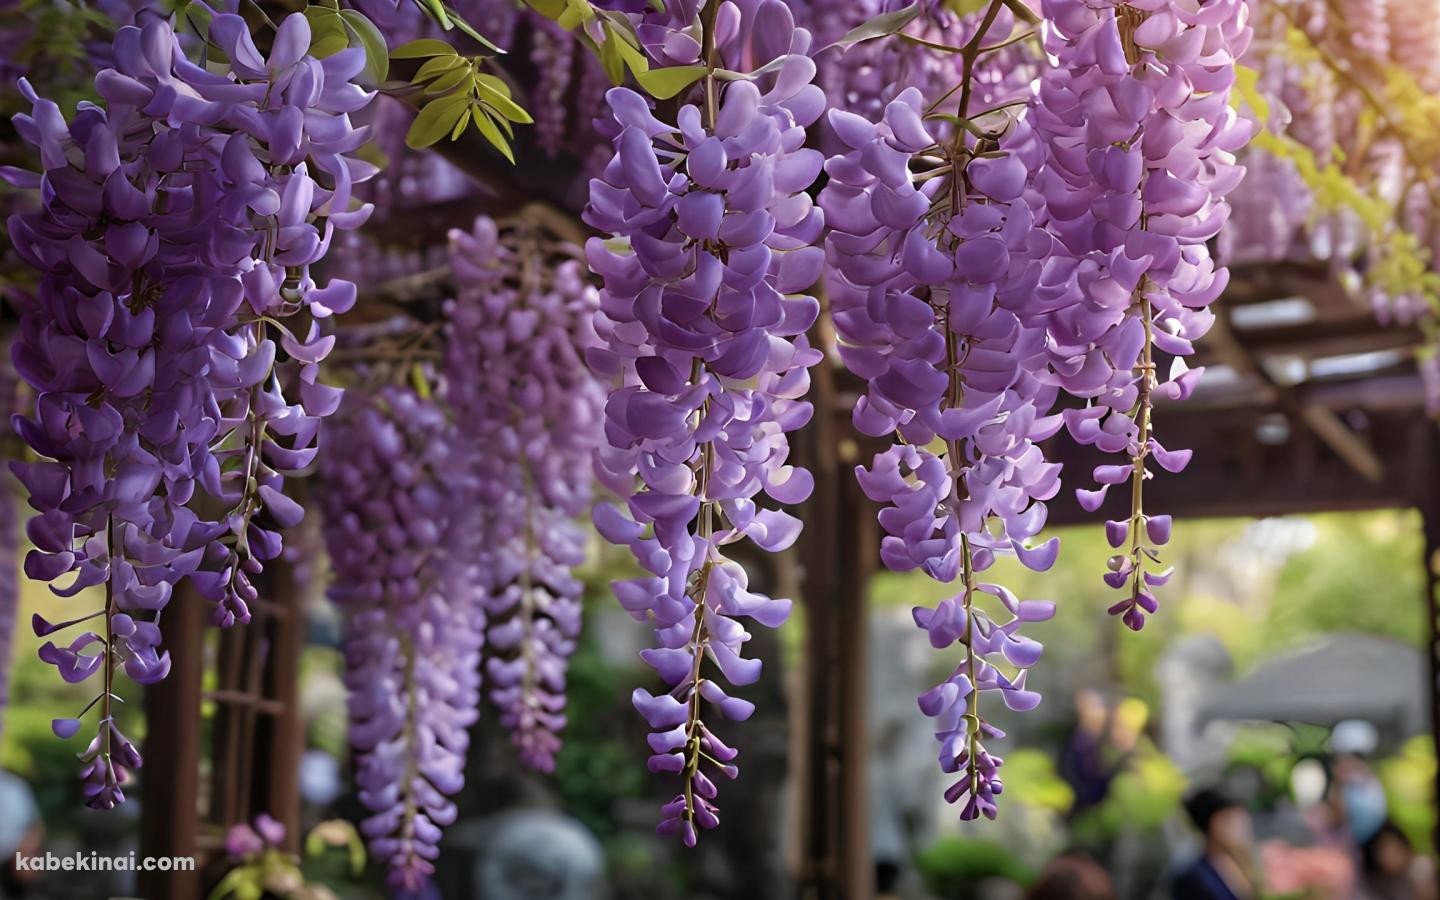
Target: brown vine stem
960,155
699,636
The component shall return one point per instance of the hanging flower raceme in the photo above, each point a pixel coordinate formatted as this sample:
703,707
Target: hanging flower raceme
9,552
1140,135
522,396
704,326
413,630
932,283
177,227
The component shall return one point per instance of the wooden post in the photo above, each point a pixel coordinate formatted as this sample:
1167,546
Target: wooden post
1426,468
834,839
169,817
280,738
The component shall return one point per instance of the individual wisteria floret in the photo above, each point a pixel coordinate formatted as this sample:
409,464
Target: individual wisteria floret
703,318
932,280
1140,138
522,396
413,627
177,227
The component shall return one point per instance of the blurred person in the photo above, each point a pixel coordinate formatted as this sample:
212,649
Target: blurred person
1072,876
1393,870
21,832
1226,869
1359,797
1087,764
1357,792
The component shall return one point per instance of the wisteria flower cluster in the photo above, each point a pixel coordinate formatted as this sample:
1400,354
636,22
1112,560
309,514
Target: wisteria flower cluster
9,551
703,319
178,227
1140,140
413,622
933,279
523,398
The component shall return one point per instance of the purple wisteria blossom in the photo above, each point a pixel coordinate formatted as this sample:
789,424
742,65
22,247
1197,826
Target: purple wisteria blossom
177,229
934,262
524,400
413,623
1141,139
703,317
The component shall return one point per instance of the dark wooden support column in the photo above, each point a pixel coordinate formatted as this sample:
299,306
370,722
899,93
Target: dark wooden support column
258,734
169,819
280,738
1426,469
834,825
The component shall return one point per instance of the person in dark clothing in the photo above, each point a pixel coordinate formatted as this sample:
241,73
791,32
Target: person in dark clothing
1392,868
1072,876
1226,869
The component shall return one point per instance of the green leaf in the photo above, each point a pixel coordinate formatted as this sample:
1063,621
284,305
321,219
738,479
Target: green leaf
439,65
459,128
879,26
633,58
417,371
610,59
327,32
501,102
550,9
965,7
422,48
773,65
577,12
377,55
662,84
491,133
435,121
436,10
449,81
475,35
199,16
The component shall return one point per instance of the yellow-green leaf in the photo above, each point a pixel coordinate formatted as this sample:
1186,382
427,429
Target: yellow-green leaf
498,84
438,66
459,128
422,48
634,59
327,32
435,121
502,103
550,9
492,133
470,30
437,11
610,59
449,81
662,84
577,12
377,55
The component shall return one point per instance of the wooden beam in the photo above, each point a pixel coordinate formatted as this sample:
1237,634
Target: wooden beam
1326,425
1326,337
